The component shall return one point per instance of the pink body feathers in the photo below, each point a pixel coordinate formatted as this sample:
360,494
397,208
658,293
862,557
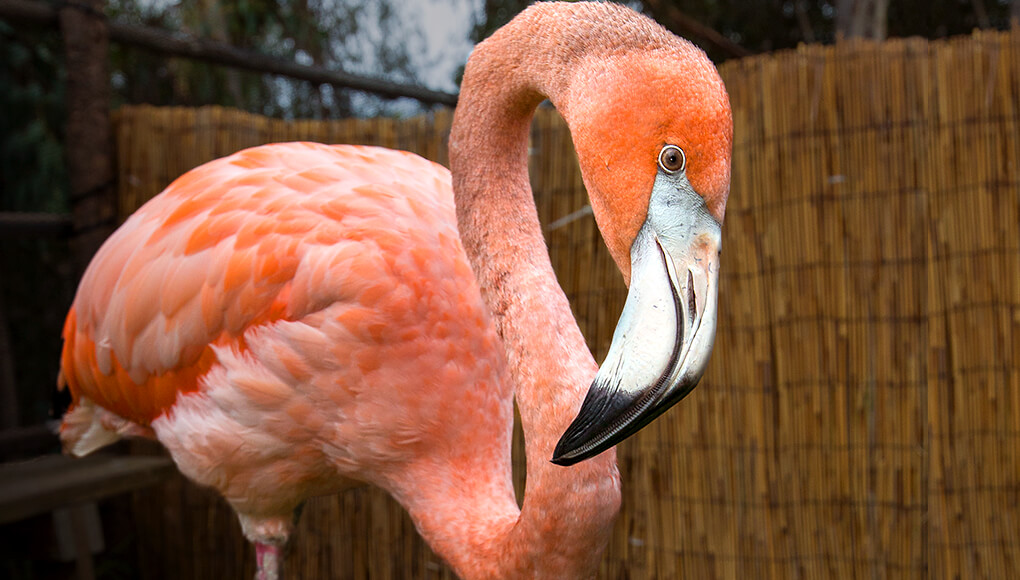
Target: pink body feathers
285,315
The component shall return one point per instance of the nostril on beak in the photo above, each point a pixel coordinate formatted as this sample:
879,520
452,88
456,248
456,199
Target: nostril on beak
692,304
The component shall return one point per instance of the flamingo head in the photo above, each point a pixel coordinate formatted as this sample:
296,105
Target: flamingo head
653,134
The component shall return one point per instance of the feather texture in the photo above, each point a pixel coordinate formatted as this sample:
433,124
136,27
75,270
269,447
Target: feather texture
284,315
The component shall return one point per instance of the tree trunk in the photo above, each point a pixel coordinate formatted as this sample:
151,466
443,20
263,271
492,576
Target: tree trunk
212,14
681,24
806,30
862,19
89,142
982,15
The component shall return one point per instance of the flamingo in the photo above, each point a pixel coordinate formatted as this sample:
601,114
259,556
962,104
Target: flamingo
296,317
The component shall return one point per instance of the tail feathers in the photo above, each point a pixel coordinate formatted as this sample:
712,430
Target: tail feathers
88,427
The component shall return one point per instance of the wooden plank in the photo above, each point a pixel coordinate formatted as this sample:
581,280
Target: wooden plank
8,389
28,12
33,224
40,485
29,441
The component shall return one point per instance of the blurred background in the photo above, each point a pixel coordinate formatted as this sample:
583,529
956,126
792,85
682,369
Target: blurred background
860,417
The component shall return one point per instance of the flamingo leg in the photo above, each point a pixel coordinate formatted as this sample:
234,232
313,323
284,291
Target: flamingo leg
269,558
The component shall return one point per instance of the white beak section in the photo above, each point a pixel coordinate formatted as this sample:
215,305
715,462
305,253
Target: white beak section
664,336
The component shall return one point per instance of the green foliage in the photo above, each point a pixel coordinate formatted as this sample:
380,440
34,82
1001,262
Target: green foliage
767,25
32,174
942,18
35,283
350,35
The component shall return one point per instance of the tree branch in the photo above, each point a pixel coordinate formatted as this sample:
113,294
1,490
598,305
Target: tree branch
161,41
803,21
678,22
982,15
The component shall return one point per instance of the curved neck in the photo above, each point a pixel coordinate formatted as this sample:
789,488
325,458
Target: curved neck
567,514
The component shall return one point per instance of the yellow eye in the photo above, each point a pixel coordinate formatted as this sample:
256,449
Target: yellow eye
672,159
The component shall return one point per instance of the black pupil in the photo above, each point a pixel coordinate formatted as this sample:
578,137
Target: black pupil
672,159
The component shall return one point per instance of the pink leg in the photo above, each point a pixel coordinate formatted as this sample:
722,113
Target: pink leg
269,558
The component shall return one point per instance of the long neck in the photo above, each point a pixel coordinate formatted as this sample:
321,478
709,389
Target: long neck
567,513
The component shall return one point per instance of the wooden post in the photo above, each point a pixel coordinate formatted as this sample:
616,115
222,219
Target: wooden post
89,142
8,391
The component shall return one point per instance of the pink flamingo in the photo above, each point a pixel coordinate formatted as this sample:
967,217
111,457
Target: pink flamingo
297,316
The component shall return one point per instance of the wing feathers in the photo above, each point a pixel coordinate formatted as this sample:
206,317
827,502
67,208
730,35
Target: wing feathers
271,233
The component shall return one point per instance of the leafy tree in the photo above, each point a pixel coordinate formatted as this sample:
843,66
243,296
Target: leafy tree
766,25
32,175
351,35
33,287
757,26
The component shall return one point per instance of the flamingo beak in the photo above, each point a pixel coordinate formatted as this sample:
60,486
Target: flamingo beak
664,336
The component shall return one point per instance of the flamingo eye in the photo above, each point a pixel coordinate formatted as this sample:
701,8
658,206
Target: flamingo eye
672,159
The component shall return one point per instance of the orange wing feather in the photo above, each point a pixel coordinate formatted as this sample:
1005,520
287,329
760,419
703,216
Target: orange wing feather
232,245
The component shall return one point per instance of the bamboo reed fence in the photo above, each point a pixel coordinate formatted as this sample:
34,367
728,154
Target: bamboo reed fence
860,417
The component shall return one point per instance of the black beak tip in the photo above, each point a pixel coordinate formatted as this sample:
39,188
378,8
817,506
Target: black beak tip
597,410
565,454
562,461
600,424
581,441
